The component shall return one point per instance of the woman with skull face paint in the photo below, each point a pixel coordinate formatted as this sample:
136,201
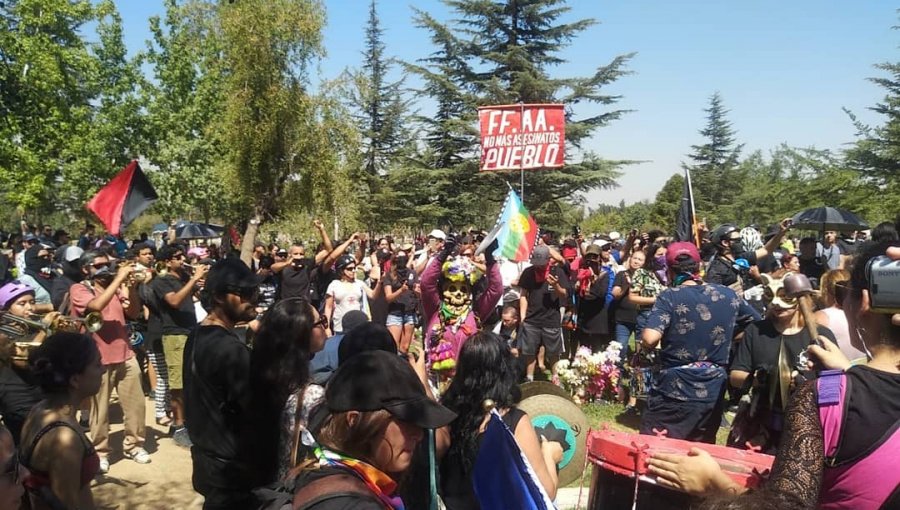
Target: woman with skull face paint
768,363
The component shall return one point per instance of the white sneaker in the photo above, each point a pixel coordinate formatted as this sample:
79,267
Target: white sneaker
139,455
104,465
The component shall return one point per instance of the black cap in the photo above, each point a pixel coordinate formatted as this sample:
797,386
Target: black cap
359,338
377,380
230,273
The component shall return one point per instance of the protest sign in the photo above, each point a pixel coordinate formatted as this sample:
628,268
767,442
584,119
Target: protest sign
522,137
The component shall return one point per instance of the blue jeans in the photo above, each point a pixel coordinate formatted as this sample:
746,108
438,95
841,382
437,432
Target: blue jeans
624,331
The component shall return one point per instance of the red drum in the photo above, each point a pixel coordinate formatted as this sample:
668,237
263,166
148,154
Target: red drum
620,457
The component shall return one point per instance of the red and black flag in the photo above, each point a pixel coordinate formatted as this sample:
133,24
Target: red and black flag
126,196
685,222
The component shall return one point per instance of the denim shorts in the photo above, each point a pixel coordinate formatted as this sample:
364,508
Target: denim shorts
401,319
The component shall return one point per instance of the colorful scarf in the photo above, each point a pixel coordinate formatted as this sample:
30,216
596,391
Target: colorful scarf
379,483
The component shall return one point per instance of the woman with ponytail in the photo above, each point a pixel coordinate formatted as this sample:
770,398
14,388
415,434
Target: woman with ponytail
59,457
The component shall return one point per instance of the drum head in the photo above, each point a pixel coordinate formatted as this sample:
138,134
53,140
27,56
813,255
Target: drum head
559,419
530,389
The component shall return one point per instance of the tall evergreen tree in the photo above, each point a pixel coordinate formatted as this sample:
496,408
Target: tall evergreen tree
379,101
501,53
715,163
877,151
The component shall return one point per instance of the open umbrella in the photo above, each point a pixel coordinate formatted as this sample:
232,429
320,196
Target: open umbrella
192,230
829,218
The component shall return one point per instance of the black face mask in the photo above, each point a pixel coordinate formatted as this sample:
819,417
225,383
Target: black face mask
737,247
402,261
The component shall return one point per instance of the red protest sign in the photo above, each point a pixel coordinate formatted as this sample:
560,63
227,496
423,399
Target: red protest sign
515,137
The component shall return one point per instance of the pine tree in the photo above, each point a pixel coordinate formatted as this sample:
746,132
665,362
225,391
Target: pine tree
714,164
877,151
502,53
379,101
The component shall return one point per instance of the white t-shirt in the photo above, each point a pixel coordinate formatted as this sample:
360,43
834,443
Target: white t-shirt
347,296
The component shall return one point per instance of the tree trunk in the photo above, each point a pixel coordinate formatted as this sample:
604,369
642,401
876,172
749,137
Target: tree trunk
249,239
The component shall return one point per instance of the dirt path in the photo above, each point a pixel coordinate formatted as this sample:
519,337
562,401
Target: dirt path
165,483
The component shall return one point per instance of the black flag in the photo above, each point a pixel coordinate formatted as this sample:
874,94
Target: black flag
685,224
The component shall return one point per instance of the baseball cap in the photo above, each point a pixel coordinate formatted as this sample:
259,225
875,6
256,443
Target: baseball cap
228,274
376,380
30,238
437,234
601,243
72,253
593,249
540,256
681,248
614,236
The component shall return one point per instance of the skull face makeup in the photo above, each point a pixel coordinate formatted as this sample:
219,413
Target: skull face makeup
457,296
774,293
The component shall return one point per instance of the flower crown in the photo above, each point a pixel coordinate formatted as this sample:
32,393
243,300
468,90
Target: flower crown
460,269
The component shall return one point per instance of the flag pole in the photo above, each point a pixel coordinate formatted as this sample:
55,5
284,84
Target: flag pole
694,230
521,160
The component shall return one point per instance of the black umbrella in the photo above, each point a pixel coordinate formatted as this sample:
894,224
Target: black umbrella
191,230
829,218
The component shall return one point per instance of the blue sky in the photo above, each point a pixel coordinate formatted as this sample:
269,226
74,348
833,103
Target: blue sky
784,69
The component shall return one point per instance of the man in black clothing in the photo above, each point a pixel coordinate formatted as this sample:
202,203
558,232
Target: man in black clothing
217,389
729,247
544,290
71,274
811,263
174,296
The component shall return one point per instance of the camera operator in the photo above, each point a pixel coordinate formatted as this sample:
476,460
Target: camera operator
106,290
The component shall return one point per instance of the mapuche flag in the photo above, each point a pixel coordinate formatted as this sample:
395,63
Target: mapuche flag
518,232
123,199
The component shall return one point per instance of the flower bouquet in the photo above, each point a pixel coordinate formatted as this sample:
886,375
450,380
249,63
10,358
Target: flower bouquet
591,376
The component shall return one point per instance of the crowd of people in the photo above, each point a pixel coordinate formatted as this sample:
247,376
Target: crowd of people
354,373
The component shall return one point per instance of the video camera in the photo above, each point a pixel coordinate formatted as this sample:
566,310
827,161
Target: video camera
883,276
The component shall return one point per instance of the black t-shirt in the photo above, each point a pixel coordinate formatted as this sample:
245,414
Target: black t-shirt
217,391
299,281
761,345
17,397
767,264
626,312
408,302
153,334
543,303
813,269
720,271
59,289
593,316
175,321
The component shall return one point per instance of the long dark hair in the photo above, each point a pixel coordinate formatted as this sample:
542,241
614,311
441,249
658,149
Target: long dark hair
59,357
485,369
279,366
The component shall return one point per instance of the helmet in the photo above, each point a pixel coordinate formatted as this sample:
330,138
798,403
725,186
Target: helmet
751,239
721,233
344,261
12,291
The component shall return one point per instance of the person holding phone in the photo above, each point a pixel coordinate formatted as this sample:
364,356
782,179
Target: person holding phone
401,292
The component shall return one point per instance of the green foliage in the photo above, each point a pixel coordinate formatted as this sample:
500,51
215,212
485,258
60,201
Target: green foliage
714,165
666,204
68,106
502,53
183,101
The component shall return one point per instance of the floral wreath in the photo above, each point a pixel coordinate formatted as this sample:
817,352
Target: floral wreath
461,269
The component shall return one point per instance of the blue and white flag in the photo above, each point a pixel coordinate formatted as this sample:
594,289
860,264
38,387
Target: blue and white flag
502,477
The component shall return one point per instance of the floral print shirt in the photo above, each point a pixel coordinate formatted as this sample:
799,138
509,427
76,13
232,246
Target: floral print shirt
312,395
697,323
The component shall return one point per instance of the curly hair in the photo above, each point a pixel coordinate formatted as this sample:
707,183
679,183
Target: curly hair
485,369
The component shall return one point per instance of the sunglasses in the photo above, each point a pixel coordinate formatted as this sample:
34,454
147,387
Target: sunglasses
100,265
245,293
350,268
322,322
12,468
